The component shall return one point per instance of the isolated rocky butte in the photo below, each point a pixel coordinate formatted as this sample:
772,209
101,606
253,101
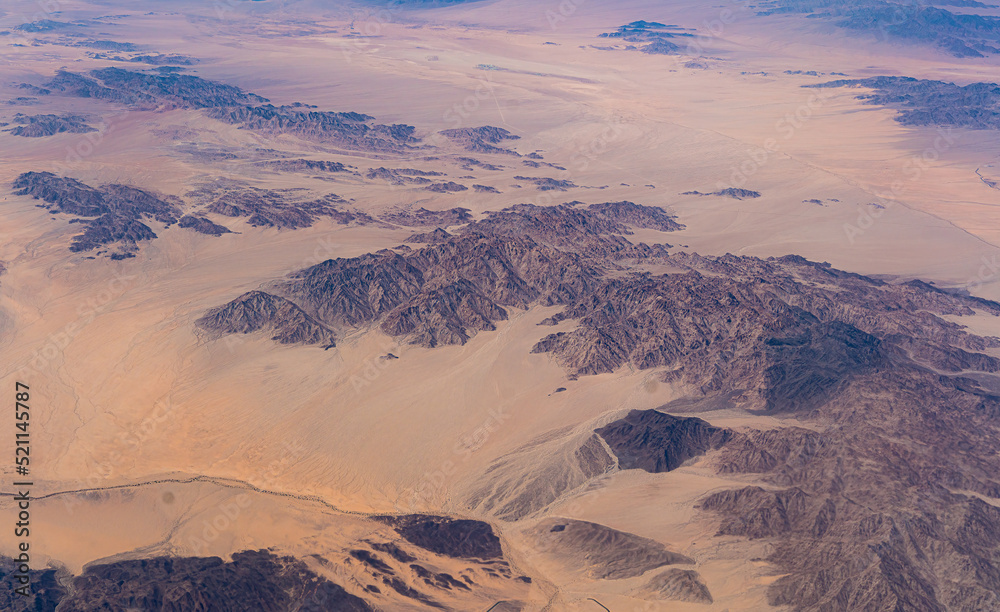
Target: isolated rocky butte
45,25
114,214
468,163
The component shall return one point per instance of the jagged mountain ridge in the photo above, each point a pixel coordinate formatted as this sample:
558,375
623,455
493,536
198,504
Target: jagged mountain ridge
445,292
921,102
112,213
233,105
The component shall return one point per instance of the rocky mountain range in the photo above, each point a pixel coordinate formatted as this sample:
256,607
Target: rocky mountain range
39,126
962,33
878,369
379,573
927,102
233,105
447,291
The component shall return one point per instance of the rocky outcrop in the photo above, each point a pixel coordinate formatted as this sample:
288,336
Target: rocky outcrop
253,580
233,105
44,25
635,215
677,584
444,314
402,176
141,89
64,195
354,131
468,163
597,231
482,139
653,36
771,331
304,165
455,538
446,187
422,217
46,588
736,193
459,285
656,442
279,208
256,311
926,102
39,126
431,237
547,183
440,294
203,225
112,214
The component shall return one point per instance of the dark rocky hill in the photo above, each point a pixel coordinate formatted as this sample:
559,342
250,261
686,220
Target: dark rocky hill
253,580
304,165
112,214
654,38
422,217
482,139
257,311
38,126
656,442
926,102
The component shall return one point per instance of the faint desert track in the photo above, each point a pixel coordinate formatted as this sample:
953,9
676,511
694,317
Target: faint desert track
229,483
